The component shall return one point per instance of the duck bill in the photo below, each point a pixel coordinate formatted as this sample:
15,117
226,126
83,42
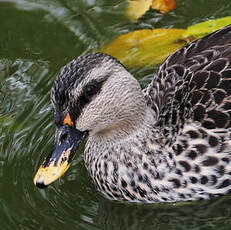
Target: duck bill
56,164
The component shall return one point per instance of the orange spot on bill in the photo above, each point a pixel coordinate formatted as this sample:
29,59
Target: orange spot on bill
67,120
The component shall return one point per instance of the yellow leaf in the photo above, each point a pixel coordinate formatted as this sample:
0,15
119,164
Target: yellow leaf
164,6
137,8
145,47
151,47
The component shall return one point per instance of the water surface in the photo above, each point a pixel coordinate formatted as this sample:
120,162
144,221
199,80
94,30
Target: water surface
36,39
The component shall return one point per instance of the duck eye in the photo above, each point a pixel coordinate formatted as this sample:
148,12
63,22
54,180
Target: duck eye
90,90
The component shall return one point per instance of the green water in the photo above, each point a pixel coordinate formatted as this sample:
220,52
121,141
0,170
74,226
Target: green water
36,39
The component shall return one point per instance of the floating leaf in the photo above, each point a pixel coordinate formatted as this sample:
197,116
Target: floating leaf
150,47
137,8
145,47
164,6
204,28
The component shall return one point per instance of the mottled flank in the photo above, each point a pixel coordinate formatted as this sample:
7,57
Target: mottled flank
169,142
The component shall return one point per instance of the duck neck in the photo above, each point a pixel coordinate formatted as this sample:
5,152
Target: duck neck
123,130
133,132
131,159
132,139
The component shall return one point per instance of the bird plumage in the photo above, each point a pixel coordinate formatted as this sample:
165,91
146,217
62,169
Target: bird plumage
169,142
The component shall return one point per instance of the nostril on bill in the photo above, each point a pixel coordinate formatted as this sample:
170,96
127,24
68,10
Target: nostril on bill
63,137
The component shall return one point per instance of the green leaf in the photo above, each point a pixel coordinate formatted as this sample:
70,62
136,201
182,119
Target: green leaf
204,28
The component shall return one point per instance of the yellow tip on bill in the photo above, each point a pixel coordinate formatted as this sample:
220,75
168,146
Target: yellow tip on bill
50,174
47,175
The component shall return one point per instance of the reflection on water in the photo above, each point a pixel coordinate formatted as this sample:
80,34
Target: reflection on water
192,215
36,39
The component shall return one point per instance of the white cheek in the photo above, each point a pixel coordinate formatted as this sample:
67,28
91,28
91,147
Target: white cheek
93,120
117,104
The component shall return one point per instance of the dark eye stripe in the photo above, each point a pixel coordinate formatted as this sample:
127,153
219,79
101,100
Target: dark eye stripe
76,109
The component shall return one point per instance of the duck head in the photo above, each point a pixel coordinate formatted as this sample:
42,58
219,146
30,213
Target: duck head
94,95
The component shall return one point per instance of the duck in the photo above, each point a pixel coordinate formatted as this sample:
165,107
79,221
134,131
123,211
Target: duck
168,142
